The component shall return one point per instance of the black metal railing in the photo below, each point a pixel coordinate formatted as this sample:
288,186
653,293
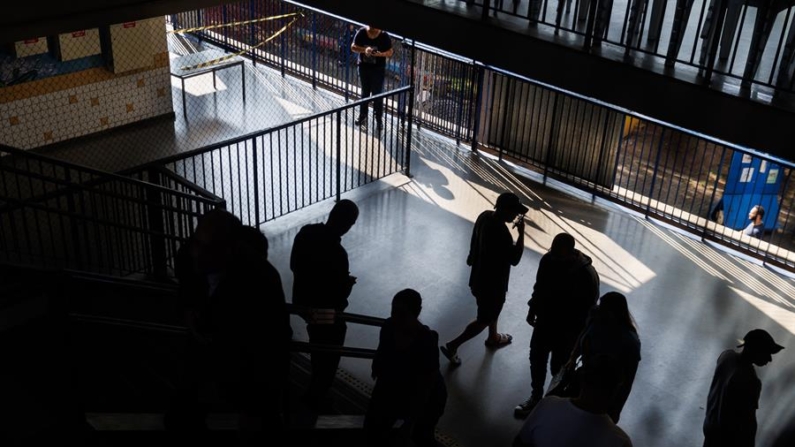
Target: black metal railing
276,171
695,182
316,48
58,214
747,40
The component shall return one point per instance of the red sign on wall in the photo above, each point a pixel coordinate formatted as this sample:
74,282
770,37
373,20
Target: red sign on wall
79,33
32,40
129,25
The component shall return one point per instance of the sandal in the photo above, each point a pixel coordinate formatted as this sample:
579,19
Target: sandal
502,340
451,355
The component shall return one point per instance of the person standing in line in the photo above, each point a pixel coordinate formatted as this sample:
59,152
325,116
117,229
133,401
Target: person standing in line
565,291
408,383
492,252
322,283
374,47
734,393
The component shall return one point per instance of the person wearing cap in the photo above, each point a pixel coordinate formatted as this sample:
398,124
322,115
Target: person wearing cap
492,252
734,393
565,291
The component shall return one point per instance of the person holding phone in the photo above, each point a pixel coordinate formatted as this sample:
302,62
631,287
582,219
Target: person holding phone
374,46
492,252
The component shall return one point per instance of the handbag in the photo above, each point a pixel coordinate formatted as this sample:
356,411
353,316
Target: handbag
565,382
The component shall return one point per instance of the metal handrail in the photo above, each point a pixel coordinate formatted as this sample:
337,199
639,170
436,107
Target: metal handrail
259,133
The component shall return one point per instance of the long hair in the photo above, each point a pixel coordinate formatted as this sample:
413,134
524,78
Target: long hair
615,304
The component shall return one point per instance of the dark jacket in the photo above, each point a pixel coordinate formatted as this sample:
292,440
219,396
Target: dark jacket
492,252
564,292
320,269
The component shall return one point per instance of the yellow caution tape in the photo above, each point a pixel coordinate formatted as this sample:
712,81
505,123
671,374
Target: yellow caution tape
223,25
230,56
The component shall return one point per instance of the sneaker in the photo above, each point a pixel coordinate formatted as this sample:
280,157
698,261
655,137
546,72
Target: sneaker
451,354
526,407
361,121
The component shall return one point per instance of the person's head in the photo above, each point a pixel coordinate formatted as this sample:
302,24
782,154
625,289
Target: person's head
343,216
253,242
613,305
757,213
508,206
406,305
373,29
215,240
758,347
562,246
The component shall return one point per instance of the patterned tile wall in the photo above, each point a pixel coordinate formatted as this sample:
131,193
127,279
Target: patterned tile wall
82,110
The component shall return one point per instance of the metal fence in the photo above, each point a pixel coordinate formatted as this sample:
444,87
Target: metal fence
700,184
270,173
746,40
56,214
316,48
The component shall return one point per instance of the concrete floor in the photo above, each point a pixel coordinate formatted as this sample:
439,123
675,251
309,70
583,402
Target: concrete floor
690,300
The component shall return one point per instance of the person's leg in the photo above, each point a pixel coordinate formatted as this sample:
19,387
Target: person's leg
622,394
539,356
494,309
365,78
471,331
379,418
562,346
424,430
377,86
324,365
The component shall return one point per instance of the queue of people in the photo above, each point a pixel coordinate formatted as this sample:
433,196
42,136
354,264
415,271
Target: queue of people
235,308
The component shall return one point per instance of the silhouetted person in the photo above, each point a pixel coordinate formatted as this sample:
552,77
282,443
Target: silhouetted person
408,383
260,326
201,264
734,393
566,289
322,283
374,46
580,421
492,252
611,331
757,227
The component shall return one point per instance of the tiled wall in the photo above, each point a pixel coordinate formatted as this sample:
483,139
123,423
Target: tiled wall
74,112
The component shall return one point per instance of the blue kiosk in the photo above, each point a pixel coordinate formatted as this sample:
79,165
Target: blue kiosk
751,181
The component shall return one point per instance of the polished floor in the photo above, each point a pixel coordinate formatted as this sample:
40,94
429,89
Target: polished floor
690,300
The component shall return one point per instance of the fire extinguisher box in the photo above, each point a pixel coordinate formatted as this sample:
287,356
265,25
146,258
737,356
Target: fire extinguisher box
30,47
77,44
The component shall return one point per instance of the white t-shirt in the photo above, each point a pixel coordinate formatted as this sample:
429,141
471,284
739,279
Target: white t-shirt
556,422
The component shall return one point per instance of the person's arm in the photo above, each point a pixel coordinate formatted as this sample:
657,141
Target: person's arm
387,43
518,248
539,290
388,53
358,45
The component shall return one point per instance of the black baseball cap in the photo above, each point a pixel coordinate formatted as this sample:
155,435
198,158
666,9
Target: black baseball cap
510,201
760,339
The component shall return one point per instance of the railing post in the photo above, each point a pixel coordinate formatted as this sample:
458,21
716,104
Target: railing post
552,136
339,154
75,232
481,73
654,173
283,42
411,109
256,181
348,52
590,25
714,190
155,216
314,51
460,117
485,13
251,42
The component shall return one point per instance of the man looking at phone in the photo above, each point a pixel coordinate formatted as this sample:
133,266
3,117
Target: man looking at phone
374,47
492,252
